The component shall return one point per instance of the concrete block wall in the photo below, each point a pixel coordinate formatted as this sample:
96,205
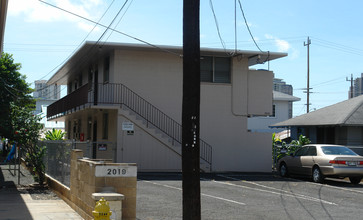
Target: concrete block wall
84,183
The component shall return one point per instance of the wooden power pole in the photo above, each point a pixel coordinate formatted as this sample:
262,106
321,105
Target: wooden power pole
351,85
190,111
308,80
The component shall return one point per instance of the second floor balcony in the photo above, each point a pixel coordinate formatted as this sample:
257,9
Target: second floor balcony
92,95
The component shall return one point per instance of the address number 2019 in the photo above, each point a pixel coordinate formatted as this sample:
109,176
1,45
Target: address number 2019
116,171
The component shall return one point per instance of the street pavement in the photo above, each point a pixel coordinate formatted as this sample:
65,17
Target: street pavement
236,196
231,196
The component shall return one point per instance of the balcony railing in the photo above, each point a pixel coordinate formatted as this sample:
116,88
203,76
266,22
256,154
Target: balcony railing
118,94
68,103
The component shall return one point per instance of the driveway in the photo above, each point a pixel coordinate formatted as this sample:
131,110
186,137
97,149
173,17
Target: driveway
250,196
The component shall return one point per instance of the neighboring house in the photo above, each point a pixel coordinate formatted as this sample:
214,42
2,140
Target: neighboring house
41,109
44,91
280,112
281,86
3,12
341,123
130,96
46,95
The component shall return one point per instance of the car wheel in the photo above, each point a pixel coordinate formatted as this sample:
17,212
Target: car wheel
317,175
283,170
355,180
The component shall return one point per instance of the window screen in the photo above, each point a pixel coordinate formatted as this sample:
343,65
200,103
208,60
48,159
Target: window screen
206,69
222,70
215,69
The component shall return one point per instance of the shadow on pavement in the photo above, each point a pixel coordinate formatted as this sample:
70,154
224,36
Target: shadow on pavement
12,204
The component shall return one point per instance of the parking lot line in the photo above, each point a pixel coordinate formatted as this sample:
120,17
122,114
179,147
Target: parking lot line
330,186
203,194
280,193
335,187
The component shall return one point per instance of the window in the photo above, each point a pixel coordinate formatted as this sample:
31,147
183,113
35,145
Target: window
273,111
312,151
105,126
106,70
302,152
215,69
332,150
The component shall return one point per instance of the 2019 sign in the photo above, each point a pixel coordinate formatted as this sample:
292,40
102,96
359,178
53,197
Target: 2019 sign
116,171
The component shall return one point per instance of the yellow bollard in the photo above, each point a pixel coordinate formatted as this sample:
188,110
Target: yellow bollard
102,210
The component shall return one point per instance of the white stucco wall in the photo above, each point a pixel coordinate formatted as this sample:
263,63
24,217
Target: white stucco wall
157,77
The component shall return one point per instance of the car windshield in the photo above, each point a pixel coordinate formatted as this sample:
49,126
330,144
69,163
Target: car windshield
333,150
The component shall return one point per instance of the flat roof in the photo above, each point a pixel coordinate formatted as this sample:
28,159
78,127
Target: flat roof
91,50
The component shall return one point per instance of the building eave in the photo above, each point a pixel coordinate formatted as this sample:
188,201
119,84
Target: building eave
81,57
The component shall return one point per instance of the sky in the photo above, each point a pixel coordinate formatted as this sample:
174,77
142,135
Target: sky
42,37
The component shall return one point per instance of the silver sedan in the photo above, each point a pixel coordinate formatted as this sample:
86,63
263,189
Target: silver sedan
321,160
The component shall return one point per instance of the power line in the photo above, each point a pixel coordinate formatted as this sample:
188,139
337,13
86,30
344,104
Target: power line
217,26
84,39
248,28
122,33
81,41
119,20
82,60
339,47
325,82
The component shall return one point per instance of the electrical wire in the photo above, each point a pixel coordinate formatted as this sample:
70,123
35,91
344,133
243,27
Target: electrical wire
248,28
217,26
339,46
118,21
82,60
122,33
84,39
109,26
78,46
326,82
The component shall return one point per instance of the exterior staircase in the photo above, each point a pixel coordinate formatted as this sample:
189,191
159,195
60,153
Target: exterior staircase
149,118
136,109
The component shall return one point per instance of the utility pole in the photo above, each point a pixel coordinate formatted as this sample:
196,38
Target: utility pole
191,111
308,80
351,85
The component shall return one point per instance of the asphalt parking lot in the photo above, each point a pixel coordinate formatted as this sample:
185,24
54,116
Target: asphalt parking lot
250,196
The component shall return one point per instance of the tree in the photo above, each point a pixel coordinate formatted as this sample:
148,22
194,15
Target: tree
17,121
14,92
27,129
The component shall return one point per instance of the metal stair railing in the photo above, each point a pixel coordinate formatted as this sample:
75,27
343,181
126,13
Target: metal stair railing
114,93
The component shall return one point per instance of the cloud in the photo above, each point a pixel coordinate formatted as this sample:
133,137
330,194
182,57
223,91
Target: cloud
87,26
283,46
36,11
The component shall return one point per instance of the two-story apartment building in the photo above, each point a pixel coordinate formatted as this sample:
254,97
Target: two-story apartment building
131,96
